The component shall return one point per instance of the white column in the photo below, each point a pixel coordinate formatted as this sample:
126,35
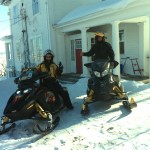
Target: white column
7,60
146,47
115,45
84,49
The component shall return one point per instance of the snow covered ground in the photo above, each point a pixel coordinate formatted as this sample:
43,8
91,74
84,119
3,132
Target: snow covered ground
108,127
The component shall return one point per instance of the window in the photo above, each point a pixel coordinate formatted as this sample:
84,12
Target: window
121,38
36,50
39,49
15,14
33,50
8,47
92,44
18,49
72,50
92,41
35,6
78,44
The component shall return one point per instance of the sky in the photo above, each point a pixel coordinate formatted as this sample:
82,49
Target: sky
4,25
109,126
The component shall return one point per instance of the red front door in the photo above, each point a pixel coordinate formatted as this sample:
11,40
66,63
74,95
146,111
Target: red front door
79,61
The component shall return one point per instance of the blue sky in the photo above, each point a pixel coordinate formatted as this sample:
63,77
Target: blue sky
4,24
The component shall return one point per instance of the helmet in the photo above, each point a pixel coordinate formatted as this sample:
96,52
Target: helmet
100,34
48,51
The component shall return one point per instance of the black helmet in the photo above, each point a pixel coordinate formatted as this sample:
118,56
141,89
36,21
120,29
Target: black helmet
48,51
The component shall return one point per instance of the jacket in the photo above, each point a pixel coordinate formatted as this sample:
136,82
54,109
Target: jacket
53,69
101,50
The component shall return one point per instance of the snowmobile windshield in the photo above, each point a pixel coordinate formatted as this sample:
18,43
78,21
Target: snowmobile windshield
28,78
100,65
26,74
31,74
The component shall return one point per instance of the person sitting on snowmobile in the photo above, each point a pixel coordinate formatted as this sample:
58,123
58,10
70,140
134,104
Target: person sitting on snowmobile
100,50
52,83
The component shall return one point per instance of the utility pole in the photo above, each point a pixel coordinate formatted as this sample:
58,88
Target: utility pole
25,38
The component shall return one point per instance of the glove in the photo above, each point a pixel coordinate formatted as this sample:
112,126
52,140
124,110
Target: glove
60,69
113,64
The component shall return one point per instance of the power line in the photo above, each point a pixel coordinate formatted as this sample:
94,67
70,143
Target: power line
20,18
4,20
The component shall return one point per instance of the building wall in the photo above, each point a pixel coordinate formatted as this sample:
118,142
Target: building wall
37,25
43,26
132,43
131,32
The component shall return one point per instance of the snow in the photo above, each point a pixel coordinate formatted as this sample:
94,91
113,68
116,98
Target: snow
93,8
108,127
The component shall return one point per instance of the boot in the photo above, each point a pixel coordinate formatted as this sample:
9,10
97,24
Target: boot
66,100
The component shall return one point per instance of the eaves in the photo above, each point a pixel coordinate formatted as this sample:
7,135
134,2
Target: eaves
102,13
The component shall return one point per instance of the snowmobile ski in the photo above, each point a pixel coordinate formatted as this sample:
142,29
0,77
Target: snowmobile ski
85,110
129,105
4,130
48,129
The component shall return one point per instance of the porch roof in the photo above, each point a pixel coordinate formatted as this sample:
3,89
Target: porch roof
5,2
7,37
99,7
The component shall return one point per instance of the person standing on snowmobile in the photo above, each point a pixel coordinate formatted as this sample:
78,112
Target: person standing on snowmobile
52,83
101,48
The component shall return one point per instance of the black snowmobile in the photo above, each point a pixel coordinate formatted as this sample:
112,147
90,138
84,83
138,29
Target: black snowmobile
103,85
32,100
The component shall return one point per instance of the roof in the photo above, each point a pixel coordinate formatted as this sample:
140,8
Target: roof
5,2
86,10
4,38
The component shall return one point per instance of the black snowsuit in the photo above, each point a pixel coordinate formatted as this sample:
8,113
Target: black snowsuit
101,50
55,86
52,82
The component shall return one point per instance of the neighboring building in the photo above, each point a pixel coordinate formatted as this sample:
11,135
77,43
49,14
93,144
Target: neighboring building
67,27
10,68
2,64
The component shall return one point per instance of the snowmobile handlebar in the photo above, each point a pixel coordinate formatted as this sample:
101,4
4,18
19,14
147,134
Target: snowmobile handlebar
88,65
113,64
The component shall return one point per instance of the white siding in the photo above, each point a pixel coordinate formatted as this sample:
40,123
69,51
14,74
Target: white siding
51,11
37,25
131,45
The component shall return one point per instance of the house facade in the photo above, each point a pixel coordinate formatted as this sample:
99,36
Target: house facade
68,27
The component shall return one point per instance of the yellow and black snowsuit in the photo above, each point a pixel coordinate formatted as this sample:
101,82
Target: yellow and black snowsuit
52,70
53,84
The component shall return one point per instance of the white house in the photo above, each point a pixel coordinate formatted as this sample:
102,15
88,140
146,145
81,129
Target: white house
67,27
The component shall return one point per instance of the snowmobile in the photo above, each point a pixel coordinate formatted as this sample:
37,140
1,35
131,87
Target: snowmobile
31,100
103,85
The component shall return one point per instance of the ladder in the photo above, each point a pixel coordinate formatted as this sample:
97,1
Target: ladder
135,66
